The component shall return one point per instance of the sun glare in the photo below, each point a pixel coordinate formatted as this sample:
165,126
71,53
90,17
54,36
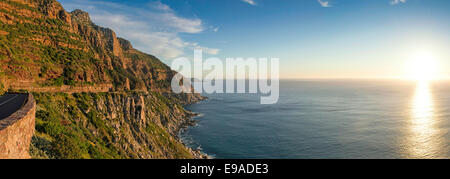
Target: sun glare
422,67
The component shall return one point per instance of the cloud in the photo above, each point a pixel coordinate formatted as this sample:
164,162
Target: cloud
162,44
394,2
215,29
251,2
154,28
181,24
206,50
324,3
160,6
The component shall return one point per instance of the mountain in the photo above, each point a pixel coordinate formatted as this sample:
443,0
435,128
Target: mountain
43,45
97,96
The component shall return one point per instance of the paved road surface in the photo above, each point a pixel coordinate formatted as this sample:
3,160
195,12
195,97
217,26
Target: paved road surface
10,103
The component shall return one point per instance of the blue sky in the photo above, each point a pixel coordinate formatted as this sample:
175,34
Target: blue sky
312,38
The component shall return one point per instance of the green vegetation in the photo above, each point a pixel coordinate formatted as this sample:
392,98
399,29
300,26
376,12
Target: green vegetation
163,139
19,5
47,43
2,88
60,120
72,126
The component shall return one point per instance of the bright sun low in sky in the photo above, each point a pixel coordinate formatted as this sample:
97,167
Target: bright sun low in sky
423,67
406,39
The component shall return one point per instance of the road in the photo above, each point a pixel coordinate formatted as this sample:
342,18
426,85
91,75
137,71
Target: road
10,103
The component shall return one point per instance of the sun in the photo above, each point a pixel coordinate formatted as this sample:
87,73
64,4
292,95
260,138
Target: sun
422,67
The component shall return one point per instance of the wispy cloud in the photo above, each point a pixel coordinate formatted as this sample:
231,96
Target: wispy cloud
215,29
324,3
154,28
206,50
394,2
161,6
251,2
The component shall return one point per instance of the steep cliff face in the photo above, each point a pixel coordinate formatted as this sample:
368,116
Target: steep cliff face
109,125
43,45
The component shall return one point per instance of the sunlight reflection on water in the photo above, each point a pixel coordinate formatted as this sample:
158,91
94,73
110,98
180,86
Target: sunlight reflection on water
329,119
423,142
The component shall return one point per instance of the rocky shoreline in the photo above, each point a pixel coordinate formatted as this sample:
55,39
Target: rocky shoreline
190,122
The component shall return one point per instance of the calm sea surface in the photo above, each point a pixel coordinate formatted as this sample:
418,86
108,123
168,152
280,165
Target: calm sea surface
328,119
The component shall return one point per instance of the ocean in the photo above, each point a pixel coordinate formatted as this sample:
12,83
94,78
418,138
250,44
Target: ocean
327,119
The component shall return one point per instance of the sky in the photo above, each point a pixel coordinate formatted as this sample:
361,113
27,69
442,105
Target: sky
312,38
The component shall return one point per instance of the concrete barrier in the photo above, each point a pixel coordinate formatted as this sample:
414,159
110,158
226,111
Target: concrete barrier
17,130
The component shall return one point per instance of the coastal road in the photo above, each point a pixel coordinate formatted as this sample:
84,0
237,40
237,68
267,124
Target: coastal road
10,103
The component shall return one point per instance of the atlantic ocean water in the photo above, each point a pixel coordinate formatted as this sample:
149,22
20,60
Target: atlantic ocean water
323,119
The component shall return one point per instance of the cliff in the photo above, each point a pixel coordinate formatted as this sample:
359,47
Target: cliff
97,96
109,125
43,45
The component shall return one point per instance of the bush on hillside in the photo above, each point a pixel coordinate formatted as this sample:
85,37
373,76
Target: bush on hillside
2,88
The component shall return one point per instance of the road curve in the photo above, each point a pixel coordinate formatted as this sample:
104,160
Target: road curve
10,103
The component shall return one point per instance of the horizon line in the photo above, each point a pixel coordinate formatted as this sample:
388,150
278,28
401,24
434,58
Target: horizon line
335,78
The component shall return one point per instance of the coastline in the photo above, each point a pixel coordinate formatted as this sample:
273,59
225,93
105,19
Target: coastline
191,122
186,125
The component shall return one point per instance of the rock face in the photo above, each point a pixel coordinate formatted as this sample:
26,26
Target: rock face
47,46
81,17
111,125
16,132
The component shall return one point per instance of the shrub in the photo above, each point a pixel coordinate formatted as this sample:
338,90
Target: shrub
39,147
2,88
66,147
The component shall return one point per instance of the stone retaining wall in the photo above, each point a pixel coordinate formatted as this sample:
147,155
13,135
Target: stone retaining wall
16,132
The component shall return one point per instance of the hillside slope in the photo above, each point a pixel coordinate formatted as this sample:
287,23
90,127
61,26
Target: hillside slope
43,45
109,125
118,102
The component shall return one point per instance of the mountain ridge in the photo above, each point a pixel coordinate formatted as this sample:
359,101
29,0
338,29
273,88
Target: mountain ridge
100,56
